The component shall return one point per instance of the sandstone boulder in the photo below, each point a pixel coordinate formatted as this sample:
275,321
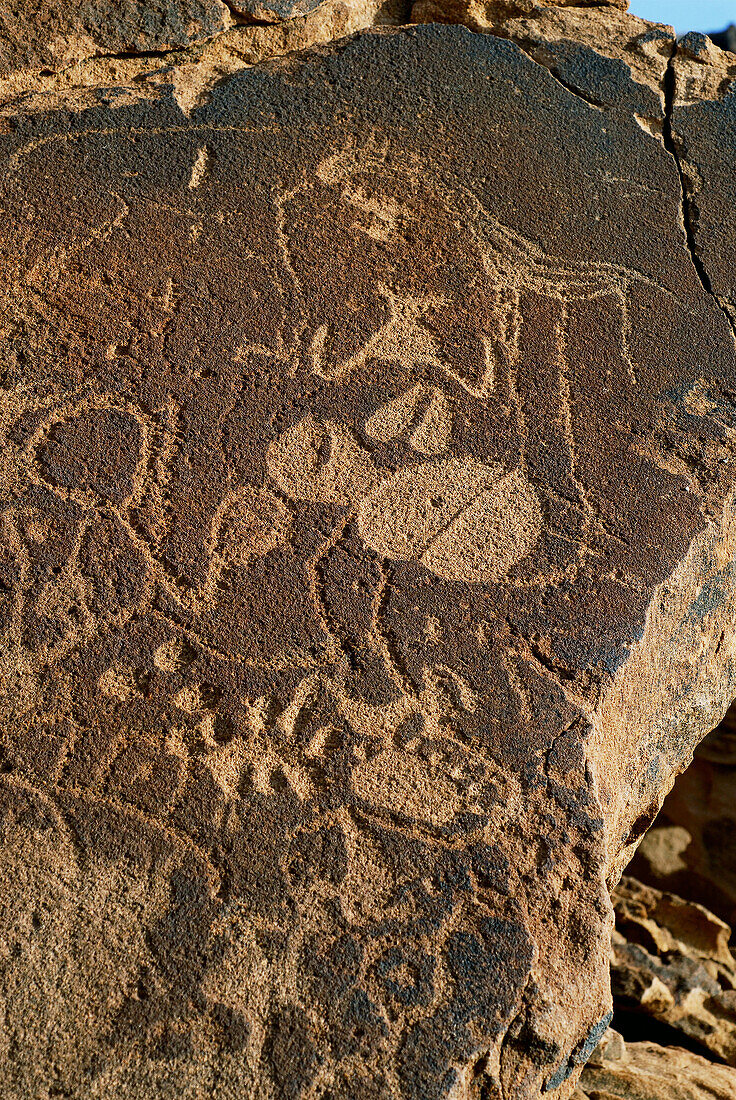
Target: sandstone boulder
671,960
691,849
367,422
646,1071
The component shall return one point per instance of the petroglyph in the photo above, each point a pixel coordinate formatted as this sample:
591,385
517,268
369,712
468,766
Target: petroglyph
325,532
111,463
320,462
387,200
247,524
422,322
120,683
400,782
408,760
174,655
463,520
199,167
423,414
129,453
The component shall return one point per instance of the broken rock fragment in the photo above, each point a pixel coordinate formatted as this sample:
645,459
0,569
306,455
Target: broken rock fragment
691,850
37,36
367,544
671,960
647,1071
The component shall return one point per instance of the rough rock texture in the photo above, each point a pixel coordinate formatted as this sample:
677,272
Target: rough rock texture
36,35
368,540
674,981
726,39
646,1071
571,41
272,11
671,960
691,849
191,72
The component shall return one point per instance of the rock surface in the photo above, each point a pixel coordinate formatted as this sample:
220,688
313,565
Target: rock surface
37,36
646,1071
368,540
186,66
671,960
691,849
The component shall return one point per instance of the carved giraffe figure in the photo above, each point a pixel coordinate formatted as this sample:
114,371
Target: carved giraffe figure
486,320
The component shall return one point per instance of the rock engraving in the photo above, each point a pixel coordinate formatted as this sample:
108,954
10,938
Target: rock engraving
364,434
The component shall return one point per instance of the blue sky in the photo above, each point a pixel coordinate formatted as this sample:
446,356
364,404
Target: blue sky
687,15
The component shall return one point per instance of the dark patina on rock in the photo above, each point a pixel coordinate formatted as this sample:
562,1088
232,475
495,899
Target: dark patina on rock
272,11
367,459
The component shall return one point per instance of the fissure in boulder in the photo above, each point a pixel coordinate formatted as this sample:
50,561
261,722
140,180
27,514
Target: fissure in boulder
367,402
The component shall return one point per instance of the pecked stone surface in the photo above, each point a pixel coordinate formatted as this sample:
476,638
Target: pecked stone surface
366,567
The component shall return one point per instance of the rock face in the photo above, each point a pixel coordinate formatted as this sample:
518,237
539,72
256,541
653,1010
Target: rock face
691,849
671,960
673,979
646,1071
38,36
368,539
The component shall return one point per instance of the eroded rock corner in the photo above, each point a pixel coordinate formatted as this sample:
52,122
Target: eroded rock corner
367,411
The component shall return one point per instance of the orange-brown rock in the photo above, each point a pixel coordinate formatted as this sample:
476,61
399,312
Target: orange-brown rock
671,961
367,462
691,850
646,1071
38,37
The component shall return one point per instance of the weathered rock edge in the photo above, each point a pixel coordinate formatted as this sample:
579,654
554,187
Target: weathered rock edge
681,690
